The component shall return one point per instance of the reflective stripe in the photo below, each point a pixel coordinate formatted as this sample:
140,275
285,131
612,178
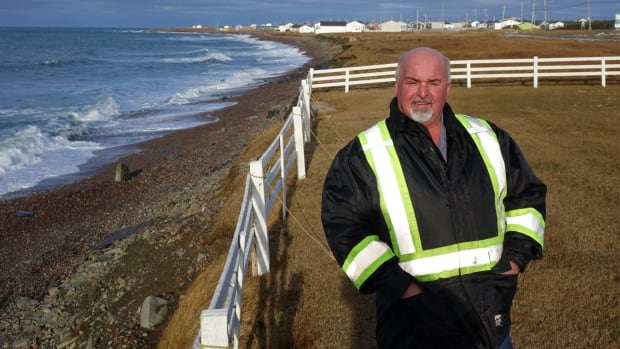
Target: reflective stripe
527,221
366,257
453,263
398,210
488,147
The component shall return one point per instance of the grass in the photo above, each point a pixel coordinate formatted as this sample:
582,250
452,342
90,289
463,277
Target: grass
569,133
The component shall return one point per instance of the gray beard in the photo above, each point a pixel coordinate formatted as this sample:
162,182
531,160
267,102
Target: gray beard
420,117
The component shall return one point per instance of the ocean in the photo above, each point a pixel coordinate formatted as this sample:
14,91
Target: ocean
72,96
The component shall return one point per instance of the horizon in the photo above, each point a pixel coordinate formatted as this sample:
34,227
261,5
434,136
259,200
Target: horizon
212,13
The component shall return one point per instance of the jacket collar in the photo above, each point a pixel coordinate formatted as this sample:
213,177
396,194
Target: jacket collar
402,123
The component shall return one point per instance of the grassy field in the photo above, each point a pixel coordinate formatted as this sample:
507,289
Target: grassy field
569,133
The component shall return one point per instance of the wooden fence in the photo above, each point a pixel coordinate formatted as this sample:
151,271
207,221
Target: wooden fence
266,181
532,70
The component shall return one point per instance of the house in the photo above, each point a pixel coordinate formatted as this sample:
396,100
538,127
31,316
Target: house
285,27
617,25
324,27
528,26
306,29
355,27
436,25
393,26
507,23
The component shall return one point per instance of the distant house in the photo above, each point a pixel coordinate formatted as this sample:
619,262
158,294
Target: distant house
617,25
528,26
285,27
306,29
507,23
436,25
393,26
355,27
266,27
324,27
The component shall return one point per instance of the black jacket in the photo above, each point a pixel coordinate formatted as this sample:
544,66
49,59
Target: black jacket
453,203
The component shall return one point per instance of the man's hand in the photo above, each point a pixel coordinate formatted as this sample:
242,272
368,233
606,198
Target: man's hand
514,269
412,290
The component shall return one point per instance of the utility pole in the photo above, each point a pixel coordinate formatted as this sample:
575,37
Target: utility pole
589,19
545,7
533,12
443,18
485,18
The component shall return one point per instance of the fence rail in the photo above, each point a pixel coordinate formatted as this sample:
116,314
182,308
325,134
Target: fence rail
266,180
534,69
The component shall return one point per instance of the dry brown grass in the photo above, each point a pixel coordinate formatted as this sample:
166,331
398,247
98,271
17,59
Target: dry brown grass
570,299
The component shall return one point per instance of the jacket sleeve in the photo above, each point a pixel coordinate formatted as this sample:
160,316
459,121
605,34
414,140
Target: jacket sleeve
354,226
524,206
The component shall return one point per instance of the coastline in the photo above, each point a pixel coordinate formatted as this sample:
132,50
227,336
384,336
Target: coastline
69,222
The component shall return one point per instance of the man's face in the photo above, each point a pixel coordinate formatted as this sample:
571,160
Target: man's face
422,87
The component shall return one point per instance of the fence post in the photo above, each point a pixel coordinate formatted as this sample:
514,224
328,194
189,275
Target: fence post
283,174
535,71
309,79
214,329
468,74
307,112
298,127
603,79
260,259
346,81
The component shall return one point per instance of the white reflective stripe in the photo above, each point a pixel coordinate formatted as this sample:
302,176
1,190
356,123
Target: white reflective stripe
528,221
382,143
365,258
490,144
490,149
453,260
388,183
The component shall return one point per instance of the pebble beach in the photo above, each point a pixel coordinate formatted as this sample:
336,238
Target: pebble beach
64,250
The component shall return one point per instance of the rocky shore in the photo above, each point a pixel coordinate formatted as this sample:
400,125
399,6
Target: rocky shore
79,261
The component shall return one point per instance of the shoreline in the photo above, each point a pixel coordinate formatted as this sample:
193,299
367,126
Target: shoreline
69,219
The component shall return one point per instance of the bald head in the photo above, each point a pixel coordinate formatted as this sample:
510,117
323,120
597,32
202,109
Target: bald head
423,53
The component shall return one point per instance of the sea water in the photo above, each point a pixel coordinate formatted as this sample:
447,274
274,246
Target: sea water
69,95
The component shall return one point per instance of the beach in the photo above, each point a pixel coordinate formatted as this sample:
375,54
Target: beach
46,236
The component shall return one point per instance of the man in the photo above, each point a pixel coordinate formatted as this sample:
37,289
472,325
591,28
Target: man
435,213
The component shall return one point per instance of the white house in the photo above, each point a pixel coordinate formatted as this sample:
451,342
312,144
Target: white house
507,23
324,27
393,26
617,25
306,29
355,27
285,27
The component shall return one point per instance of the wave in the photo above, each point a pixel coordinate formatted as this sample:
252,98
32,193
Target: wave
206,57
27,146
102,110
236,82
50,62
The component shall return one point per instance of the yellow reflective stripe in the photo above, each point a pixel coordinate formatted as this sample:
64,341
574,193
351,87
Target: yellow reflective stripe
365,258
454,263
527,221
488,146
397,209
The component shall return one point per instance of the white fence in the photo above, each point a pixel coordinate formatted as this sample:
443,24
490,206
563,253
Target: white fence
265,184
266,180
522,69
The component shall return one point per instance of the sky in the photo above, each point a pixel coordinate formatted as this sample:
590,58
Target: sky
212,13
